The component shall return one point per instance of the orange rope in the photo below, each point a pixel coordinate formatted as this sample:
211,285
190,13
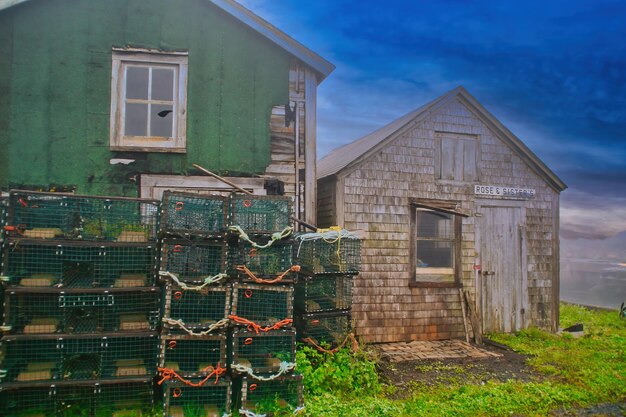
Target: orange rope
350,336
245,270
168,374
252,326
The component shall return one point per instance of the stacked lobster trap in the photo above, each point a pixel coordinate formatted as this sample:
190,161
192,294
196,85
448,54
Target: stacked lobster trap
227,273
329,259
80,306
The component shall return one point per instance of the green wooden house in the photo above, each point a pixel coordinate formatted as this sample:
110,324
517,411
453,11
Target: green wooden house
121,97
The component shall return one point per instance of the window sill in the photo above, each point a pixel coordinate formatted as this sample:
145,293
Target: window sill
426,284
147,149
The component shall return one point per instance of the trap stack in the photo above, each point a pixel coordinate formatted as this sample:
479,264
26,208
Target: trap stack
262,339
329,259
197,298
81,308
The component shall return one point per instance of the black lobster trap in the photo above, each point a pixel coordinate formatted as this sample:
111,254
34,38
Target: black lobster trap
70,357
28,401
264,305
191,356
327,330
273,262
279,395
333,252
265,353
52,310
323,293
193,261
211,399
38,263
124,399
196,311
260,214
186,214
68,216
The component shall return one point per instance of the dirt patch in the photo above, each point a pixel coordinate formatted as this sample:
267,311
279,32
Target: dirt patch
410,375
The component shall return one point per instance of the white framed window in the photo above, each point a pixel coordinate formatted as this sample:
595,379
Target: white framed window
148,101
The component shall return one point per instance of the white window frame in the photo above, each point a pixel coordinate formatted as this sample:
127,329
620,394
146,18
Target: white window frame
127,57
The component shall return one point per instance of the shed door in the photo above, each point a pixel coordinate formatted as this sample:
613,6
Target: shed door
503,274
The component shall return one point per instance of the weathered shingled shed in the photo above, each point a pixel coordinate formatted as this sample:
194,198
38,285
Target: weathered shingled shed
447,198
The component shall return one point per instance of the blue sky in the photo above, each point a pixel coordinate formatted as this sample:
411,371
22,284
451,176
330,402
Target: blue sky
553,72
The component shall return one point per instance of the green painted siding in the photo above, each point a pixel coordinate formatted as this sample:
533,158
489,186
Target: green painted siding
55,81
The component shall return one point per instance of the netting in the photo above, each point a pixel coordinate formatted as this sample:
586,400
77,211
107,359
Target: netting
323,293
271,397
329,252
3,214
263,263
263,352
102,399
209,400
191,356
195,310
128,399
260,213
71,311
193,214
324,329
64,216
26,359
33,263
28,401
193,261
265,305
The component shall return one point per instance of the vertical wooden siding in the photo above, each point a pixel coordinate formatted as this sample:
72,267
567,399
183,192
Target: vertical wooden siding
376,199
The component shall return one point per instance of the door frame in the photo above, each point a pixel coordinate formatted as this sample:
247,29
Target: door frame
479,281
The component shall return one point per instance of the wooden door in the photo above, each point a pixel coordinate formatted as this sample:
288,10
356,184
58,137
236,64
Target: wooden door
503,275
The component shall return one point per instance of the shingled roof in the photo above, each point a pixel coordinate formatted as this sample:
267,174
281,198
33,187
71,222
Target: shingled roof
345,157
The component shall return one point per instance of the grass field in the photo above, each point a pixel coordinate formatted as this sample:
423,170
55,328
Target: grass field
572,373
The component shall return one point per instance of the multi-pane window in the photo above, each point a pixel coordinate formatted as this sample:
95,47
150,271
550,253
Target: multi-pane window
435,238
148,101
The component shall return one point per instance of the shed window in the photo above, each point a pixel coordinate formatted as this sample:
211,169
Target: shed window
436,240
148,101
456,157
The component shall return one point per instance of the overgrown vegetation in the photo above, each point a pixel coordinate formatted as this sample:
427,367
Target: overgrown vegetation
576,372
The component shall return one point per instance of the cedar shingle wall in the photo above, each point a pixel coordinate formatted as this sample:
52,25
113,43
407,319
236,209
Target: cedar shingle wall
376,199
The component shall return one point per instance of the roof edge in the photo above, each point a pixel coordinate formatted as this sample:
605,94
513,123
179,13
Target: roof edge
255,22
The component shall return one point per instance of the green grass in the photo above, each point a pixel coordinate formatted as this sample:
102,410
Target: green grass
576,372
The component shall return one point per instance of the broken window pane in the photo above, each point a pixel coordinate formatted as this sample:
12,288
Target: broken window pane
161,120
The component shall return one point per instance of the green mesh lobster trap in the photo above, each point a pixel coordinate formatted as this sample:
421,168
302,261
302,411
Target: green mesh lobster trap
323,293
37,263
262,353
67,216
196,311
191,356
269,398
105,398
331,252
265,305
52,310
28,358
192,214
260,214
193,261
126,399
267,263
327,330
209,400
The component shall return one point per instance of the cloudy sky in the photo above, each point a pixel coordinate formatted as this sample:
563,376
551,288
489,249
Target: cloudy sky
554,72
